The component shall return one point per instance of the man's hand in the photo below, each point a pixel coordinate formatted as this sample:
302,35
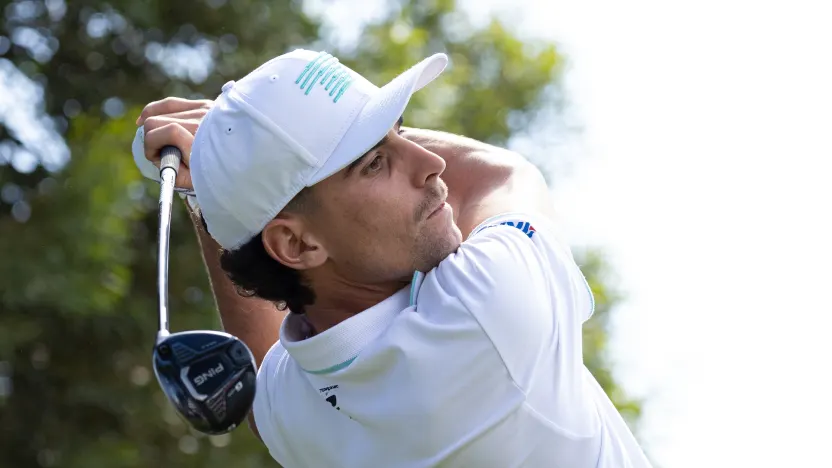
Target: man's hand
173,121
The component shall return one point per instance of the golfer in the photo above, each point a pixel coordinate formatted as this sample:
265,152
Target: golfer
434,320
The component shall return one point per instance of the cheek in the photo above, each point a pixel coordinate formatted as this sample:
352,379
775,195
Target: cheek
383,219
377,218
355,227
385,227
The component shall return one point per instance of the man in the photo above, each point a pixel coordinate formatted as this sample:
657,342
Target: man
435,320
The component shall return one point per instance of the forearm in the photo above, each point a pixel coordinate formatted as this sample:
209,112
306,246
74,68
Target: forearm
255,321
471,165
484,180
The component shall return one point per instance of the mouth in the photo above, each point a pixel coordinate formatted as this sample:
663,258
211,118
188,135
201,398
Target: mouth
435,204
438,209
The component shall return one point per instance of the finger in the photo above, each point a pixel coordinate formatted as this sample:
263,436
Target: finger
152,123
171,105
173,134
195,114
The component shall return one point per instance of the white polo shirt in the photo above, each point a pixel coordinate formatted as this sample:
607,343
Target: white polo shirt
477,364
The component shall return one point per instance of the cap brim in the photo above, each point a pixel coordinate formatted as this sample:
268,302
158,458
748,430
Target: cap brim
379,115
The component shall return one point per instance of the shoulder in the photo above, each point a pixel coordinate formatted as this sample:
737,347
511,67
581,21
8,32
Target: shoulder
501,256
289,412
535,249
265,376
511,266
265,408
274,359
498,272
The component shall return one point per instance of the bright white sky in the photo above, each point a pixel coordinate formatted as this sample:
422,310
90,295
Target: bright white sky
708,179
706,174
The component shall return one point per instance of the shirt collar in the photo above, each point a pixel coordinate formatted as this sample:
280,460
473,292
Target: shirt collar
337,347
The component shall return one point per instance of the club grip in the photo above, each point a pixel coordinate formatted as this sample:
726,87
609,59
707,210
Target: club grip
171,156
170,160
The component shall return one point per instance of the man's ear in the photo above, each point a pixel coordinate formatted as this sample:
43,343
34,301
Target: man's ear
287,241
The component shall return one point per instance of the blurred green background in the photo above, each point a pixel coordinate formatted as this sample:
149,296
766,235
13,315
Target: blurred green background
78,224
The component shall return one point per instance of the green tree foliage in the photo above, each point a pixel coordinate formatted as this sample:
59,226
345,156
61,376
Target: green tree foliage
596,333
78,224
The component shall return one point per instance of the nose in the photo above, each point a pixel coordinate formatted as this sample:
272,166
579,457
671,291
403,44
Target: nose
424,164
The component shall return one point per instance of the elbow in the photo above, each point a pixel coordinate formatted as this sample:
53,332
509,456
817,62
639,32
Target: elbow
516,167
533,175
522,173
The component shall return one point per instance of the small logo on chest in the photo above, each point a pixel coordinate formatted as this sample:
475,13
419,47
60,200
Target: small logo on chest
329,396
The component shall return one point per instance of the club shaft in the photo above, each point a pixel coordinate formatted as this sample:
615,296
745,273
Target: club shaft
168,169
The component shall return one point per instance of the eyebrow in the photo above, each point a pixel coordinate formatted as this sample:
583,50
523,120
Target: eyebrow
366,155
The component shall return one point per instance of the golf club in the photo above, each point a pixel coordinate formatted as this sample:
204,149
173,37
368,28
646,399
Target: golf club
208,376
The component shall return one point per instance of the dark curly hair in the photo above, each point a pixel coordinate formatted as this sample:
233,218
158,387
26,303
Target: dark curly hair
255,273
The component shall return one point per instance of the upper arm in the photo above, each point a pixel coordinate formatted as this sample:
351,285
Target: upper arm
504,182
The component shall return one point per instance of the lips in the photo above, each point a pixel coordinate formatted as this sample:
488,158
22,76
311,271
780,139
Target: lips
435,203
437,209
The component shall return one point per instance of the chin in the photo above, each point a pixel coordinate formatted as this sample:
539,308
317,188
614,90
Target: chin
437,246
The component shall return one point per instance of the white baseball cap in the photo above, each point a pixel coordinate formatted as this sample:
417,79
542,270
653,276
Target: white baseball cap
294,121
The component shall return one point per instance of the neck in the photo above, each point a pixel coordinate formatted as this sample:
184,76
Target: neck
337,299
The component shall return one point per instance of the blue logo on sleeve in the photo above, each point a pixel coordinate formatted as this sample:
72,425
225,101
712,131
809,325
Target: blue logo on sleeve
524,226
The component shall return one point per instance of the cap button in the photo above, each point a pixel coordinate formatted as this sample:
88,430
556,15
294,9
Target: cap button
227,86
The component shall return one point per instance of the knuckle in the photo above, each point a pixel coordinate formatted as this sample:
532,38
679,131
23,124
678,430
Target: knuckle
150,110
165,105
149,106
152,123
177,134
162,106
154,104
177,128
169,131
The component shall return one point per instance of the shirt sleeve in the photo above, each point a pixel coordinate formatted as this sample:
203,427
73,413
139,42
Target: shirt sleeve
523,287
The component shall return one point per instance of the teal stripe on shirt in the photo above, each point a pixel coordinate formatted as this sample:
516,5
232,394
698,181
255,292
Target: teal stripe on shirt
334,368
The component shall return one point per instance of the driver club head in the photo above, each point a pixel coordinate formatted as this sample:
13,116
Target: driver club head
208,376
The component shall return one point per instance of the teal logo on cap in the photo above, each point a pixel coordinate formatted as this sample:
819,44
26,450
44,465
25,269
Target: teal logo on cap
326,67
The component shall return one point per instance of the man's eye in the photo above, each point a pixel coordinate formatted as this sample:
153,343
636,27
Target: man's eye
375,164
